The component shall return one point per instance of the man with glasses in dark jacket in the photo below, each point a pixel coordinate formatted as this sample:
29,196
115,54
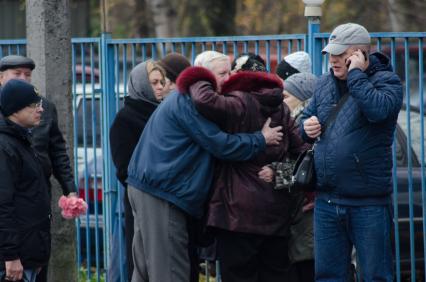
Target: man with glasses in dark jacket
24,199
47,139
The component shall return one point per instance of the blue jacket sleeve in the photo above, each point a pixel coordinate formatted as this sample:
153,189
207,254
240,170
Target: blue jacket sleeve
236,147
310,110
378,98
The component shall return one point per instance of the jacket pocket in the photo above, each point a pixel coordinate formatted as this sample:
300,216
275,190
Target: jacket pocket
360,169
35,247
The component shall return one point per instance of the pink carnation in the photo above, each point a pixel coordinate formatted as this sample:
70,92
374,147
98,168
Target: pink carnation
72,206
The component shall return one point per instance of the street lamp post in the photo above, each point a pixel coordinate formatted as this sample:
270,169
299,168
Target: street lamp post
313,13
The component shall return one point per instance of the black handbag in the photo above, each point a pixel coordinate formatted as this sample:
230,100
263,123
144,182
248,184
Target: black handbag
304,177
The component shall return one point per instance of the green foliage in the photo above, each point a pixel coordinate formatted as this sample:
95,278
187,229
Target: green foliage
82,276
204,279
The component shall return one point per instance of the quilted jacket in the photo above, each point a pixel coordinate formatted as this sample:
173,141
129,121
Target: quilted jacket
353,158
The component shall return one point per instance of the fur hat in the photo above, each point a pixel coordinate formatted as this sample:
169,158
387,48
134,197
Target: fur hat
294,63
300,85
17,94
248,62
174,64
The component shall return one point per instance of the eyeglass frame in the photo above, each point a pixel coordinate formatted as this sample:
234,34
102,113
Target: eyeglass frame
36,105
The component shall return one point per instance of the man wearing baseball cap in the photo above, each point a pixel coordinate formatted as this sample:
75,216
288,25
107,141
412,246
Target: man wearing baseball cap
24,199
46,137
353,157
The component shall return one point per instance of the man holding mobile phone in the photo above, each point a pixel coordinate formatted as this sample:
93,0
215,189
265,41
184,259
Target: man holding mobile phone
353,158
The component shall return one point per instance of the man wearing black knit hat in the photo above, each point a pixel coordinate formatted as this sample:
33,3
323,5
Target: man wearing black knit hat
47,139
24,199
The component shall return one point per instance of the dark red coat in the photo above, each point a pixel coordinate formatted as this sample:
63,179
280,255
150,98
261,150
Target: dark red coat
240,200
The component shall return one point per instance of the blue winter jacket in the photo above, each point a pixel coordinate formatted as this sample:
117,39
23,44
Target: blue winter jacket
353,158
173,159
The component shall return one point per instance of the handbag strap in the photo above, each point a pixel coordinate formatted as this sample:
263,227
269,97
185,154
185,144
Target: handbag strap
335,111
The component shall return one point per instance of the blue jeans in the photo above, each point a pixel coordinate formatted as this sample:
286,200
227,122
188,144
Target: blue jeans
29,275
338,228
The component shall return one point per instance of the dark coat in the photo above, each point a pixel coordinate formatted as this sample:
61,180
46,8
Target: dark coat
24,200
126,131
51,147
353,159
241,201
49,143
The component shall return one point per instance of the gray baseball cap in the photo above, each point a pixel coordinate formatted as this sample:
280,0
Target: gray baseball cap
345,36
16,61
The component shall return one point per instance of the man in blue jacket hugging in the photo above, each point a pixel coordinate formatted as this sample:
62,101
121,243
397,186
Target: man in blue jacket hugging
170,175
353,158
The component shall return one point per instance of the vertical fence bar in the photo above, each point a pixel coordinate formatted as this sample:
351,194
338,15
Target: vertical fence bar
268,55
75,133
422,149
224,47
395,184
86,176
409,156
133,54
235,49
314,48
107,101
245,46
279,52
121,254
143,50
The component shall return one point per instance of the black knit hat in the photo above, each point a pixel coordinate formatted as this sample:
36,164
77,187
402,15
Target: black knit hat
285,70
16,61
174,64
17,94
248,62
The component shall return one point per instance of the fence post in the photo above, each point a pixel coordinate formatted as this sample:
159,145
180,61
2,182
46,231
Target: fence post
313,13
109,182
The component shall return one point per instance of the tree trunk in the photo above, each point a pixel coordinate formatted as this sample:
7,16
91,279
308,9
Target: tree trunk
164,17
49,45
394,20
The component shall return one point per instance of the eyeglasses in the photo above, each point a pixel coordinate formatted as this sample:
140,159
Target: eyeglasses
36,105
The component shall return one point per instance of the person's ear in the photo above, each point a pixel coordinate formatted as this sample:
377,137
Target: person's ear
172,85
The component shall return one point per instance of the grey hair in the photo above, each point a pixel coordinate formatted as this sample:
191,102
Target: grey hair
364,47
206,58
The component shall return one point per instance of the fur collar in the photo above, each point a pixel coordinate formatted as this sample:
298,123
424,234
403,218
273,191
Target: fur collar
192,75
247,81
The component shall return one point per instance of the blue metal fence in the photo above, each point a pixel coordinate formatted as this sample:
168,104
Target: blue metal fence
100,68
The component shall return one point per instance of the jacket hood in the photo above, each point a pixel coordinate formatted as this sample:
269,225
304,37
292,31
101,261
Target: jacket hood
192,75
378,62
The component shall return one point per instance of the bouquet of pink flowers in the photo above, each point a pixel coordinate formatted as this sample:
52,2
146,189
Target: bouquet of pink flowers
72,206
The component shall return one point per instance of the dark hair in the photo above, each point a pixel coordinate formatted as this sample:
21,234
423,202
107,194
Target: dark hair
251,62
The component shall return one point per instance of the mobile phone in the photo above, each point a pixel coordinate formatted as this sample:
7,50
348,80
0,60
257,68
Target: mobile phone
365,55
348,62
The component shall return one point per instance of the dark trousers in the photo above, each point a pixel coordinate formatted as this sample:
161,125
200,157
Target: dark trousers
252,258
302,271
42,276
128,233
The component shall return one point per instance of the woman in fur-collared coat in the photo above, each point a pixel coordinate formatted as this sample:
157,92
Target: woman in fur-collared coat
251,220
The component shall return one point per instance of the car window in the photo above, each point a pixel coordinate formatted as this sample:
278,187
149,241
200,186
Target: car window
401,138
86,123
